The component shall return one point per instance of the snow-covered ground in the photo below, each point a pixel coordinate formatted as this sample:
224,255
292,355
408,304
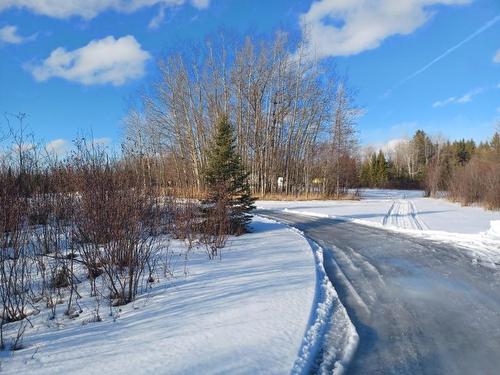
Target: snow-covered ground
398,208
261,309
264,308
473,228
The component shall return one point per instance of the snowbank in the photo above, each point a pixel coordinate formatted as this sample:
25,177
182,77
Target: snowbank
245,314
331,338
494,230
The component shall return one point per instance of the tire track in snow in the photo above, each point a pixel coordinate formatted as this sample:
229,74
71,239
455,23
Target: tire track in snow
403,214
388,214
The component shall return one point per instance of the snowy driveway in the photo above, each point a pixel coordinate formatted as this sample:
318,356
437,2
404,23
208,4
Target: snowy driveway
419,306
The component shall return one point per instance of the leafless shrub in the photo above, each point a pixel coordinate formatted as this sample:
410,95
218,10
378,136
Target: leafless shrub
17,342
114,226
216,226
61,278
186,218
91,215
477,181
16,254
15,260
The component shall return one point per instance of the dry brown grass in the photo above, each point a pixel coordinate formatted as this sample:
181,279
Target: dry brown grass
306,197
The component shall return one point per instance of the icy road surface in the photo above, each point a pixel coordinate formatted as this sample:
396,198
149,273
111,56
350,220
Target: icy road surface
419,307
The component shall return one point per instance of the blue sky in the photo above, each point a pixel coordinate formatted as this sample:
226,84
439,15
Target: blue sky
420,64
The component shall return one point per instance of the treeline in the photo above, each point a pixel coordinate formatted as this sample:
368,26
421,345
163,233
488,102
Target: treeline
89,226
293,119
462,170
294,123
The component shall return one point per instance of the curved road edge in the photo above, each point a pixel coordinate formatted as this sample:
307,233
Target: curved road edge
324,350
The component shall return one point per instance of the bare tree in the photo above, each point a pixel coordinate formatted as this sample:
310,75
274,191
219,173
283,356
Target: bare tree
343,139
278,101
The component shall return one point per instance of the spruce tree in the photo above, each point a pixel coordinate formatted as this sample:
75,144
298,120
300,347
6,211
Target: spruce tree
373,171
226,179
381,169
365,175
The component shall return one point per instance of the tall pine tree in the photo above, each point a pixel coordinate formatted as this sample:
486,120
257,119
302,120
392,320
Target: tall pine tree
227,181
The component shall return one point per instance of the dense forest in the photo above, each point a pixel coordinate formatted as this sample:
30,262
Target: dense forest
461,170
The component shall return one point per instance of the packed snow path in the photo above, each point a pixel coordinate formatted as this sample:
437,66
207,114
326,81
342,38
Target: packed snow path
419,306
403,214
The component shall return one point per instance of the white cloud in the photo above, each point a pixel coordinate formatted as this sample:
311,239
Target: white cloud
442,103
107,60
392,145
88,9
496,58
200,4
389,148
157,20
466,98
61,147
348,27
9,35
58,147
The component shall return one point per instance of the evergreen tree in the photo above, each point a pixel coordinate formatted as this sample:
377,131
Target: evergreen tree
464,151
424,147
227,180
381,169
365,174
373,171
